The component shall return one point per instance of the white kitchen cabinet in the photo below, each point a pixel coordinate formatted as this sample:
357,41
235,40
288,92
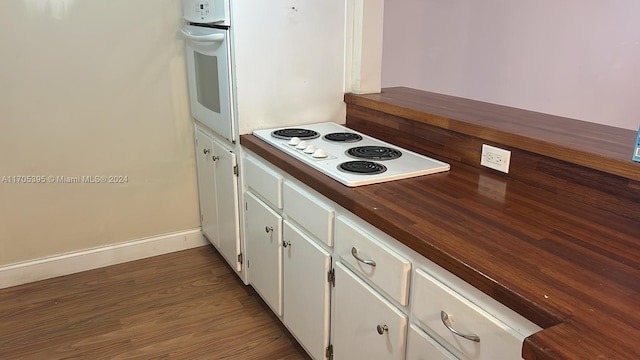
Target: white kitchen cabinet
306,290
206,187
218,195
480,335
373,260
365,325
420,346
365,296
263,182
264,251
226,180
309,211
289,266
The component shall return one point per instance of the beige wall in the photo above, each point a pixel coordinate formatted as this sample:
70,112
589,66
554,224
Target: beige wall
92,88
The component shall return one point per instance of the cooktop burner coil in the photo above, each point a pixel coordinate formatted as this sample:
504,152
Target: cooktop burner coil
362,167
345,137
303,134
373,153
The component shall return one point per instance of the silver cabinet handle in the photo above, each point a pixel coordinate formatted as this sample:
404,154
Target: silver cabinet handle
354,252
382,328
215,158
445,319
286,243
268,229
206,151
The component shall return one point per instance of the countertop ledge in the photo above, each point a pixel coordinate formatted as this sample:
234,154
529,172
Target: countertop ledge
570,266
604,148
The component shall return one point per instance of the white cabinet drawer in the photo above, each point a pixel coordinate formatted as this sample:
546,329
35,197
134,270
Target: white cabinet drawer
497,340
309,211
365,325
264,182
391,271
421,346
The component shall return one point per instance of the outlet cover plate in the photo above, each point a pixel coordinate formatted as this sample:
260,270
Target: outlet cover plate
495,158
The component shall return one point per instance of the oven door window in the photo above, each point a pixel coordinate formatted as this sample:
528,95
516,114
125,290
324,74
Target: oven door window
207,83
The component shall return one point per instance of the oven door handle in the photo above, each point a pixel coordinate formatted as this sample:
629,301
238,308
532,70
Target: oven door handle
202,36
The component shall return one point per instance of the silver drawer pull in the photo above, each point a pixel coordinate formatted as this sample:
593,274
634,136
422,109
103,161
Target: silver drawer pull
268,229
382,328
354,252
445,319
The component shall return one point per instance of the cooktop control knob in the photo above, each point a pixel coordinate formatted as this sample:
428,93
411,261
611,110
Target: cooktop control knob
319,153
294,141
310,149
302,145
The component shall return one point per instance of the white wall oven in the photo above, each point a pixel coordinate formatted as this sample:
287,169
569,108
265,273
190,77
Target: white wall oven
208,56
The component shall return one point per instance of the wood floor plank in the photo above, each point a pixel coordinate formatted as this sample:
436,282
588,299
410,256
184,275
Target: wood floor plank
184,305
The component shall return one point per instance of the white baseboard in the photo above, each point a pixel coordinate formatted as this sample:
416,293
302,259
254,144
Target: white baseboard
65,264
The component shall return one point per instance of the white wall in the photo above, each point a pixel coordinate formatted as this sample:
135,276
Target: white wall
289,60
93,88
578,59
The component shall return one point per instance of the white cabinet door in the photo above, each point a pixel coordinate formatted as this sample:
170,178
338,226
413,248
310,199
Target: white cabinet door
206,187
306,291
360,313
226,181
218,195
264,251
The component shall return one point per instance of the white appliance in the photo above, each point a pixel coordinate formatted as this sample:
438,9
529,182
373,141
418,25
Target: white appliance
350,157
208,57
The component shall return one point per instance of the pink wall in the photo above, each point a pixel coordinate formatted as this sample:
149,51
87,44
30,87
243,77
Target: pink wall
579,59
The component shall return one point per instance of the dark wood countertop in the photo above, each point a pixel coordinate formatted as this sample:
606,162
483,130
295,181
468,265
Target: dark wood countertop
570,267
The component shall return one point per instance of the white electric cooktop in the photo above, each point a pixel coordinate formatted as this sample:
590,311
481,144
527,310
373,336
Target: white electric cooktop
350,157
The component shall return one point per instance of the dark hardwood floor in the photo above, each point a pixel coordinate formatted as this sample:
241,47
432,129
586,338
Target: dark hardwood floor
184,305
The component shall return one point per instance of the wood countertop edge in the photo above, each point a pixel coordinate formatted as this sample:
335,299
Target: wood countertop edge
618,164
554,321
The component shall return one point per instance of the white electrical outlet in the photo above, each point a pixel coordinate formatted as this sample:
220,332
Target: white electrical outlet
495,158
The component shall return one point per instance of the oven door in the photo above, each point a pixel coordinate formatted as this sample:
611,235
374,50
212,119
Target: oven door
209,78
